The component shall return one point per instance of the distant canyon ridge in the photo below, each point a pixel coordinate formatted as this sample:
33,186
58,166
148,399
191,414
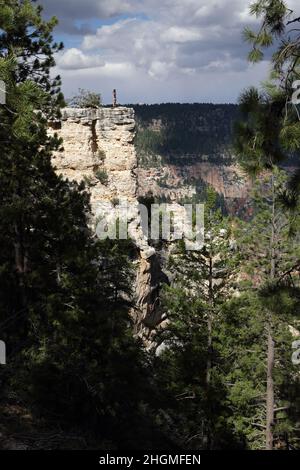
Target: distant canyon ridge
183,148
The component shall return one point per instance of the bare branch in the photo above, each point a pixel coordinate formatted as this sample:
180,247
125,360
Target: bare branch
293,21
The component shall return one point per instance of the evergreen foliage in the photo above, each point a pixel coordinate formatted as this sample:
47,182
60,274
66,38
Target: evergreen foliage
273,121
64,297
183,134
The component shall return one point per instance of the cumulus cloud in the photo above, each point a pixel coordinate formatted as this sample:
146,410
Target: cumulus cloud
175,40
159,50
178,34
74,59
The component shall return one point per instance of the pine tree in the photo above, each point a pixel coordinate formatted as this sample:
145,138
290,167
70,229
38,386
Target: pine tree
63,297
274,112
203,282
276,19
28,181
270,255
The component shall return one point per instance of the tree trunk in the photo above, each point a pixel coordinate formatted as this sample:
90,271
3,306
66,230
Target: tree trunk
209,353
270,390
270,401
209,321
21,265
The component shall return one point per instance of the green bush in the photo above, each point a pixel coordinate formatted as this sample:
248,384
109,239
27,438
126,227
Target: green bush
102,176
85,99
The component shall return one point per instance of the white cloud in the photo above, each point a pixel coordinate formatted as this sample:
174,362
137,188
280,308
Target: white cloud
75,59
159,70
115,70
179,34
108,33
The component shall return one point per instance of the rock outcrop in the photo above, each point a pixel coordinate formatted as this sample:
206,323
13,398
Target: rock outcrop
98,147
99,140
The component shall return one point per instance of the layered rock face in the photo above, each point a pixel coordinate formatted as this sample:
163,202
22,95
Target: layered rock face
177,183
98,140
182,148
98,147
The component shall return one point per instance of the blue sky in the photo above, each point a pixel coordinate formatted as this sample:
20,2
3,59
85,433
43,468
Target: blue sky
156,51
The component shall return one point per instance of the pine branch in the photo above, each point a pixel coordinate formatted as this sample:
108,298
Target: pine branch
296,20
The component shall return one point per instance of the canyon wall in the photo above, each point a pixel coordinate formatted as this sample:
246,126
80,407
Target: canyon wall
181,183
183,148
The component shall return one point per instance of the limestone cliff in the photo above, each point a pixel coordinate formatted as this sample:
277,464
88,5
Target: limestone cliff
98,141
98,147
